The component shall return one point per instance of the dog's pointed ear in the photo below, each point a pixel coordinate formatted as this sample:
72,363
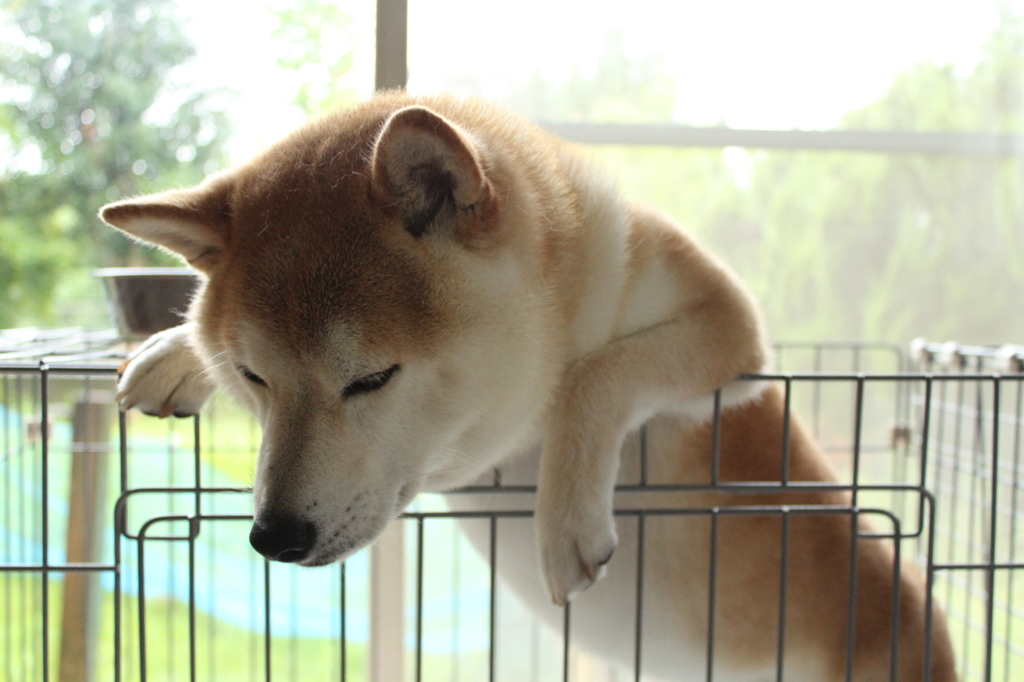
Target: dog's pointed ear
430,169
194,223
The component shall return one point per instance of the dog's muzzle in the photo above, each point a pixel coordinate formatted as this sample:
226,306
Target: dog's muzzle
282,538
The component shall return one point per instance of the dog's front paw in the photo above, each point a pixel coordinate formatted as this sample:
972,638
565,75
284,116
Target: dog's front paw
164,377
575,546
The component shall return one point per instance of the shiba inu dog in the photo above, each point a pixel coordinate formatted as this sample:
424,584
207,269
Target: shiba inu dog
415,291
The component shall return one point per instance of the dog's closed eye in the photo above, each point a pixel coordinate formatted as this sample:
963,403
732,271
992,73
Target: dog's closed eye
254,378
371,382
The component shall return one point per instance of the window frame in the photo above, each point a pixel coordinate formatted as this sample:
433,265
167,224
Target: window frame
391,71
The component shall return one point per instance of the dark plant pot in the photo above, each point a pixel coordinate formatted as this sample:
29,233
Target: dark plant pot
144,301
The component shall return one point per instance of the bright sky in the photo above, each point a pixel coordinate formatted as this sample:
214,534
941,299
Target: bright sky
751,63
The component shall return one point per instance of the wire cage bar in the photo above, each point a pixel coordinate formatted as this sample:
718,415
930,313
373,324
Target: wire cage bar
124,552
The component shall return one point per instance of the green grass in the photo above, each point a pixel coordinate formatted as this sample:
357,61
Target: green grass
223,652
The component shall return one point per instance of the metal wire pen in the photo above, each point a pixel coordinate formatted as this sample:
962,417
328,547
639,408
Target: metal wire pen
929,444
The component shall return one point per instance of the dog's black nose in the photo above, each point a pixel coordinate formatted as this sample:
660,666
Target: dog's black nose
282,538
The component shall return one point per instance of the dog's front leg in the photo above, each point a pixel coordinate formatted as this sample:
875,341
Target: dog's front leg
579,465
604,395
164,376
674,366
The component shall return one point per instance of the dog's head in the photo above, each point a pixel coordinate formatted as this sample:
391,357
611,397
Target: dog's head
365,297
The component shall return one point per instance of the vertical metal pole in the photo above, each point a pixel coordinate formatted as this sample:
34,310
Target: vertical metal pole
894,616
211,559
254,565
712,586
267,637
926,419
494,597
858,427
1014,496
419,599
90,452
457,606
392,38
119,526
975,516
44,384
344,634
566,620
954,498
851,619
28,528
26,519
8,456
929,625
783,593
787,418
641,532
901,445
387,605
293,636
644,474
990,571
193,531
197,465
142,608
716,439
172,554
851,624
254,645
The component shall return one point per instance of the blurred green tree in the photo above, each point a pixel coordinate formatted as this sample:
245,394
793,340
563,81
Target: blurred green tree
842,244
315,41
896,246
90,111
622,90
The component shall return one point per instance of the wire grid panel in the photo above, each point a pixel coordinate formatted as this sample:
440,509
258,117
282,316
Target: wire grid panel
165,586
969,432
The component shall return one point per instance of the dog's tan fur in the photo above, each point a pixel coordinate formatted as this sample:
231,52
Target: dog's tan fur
522,300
